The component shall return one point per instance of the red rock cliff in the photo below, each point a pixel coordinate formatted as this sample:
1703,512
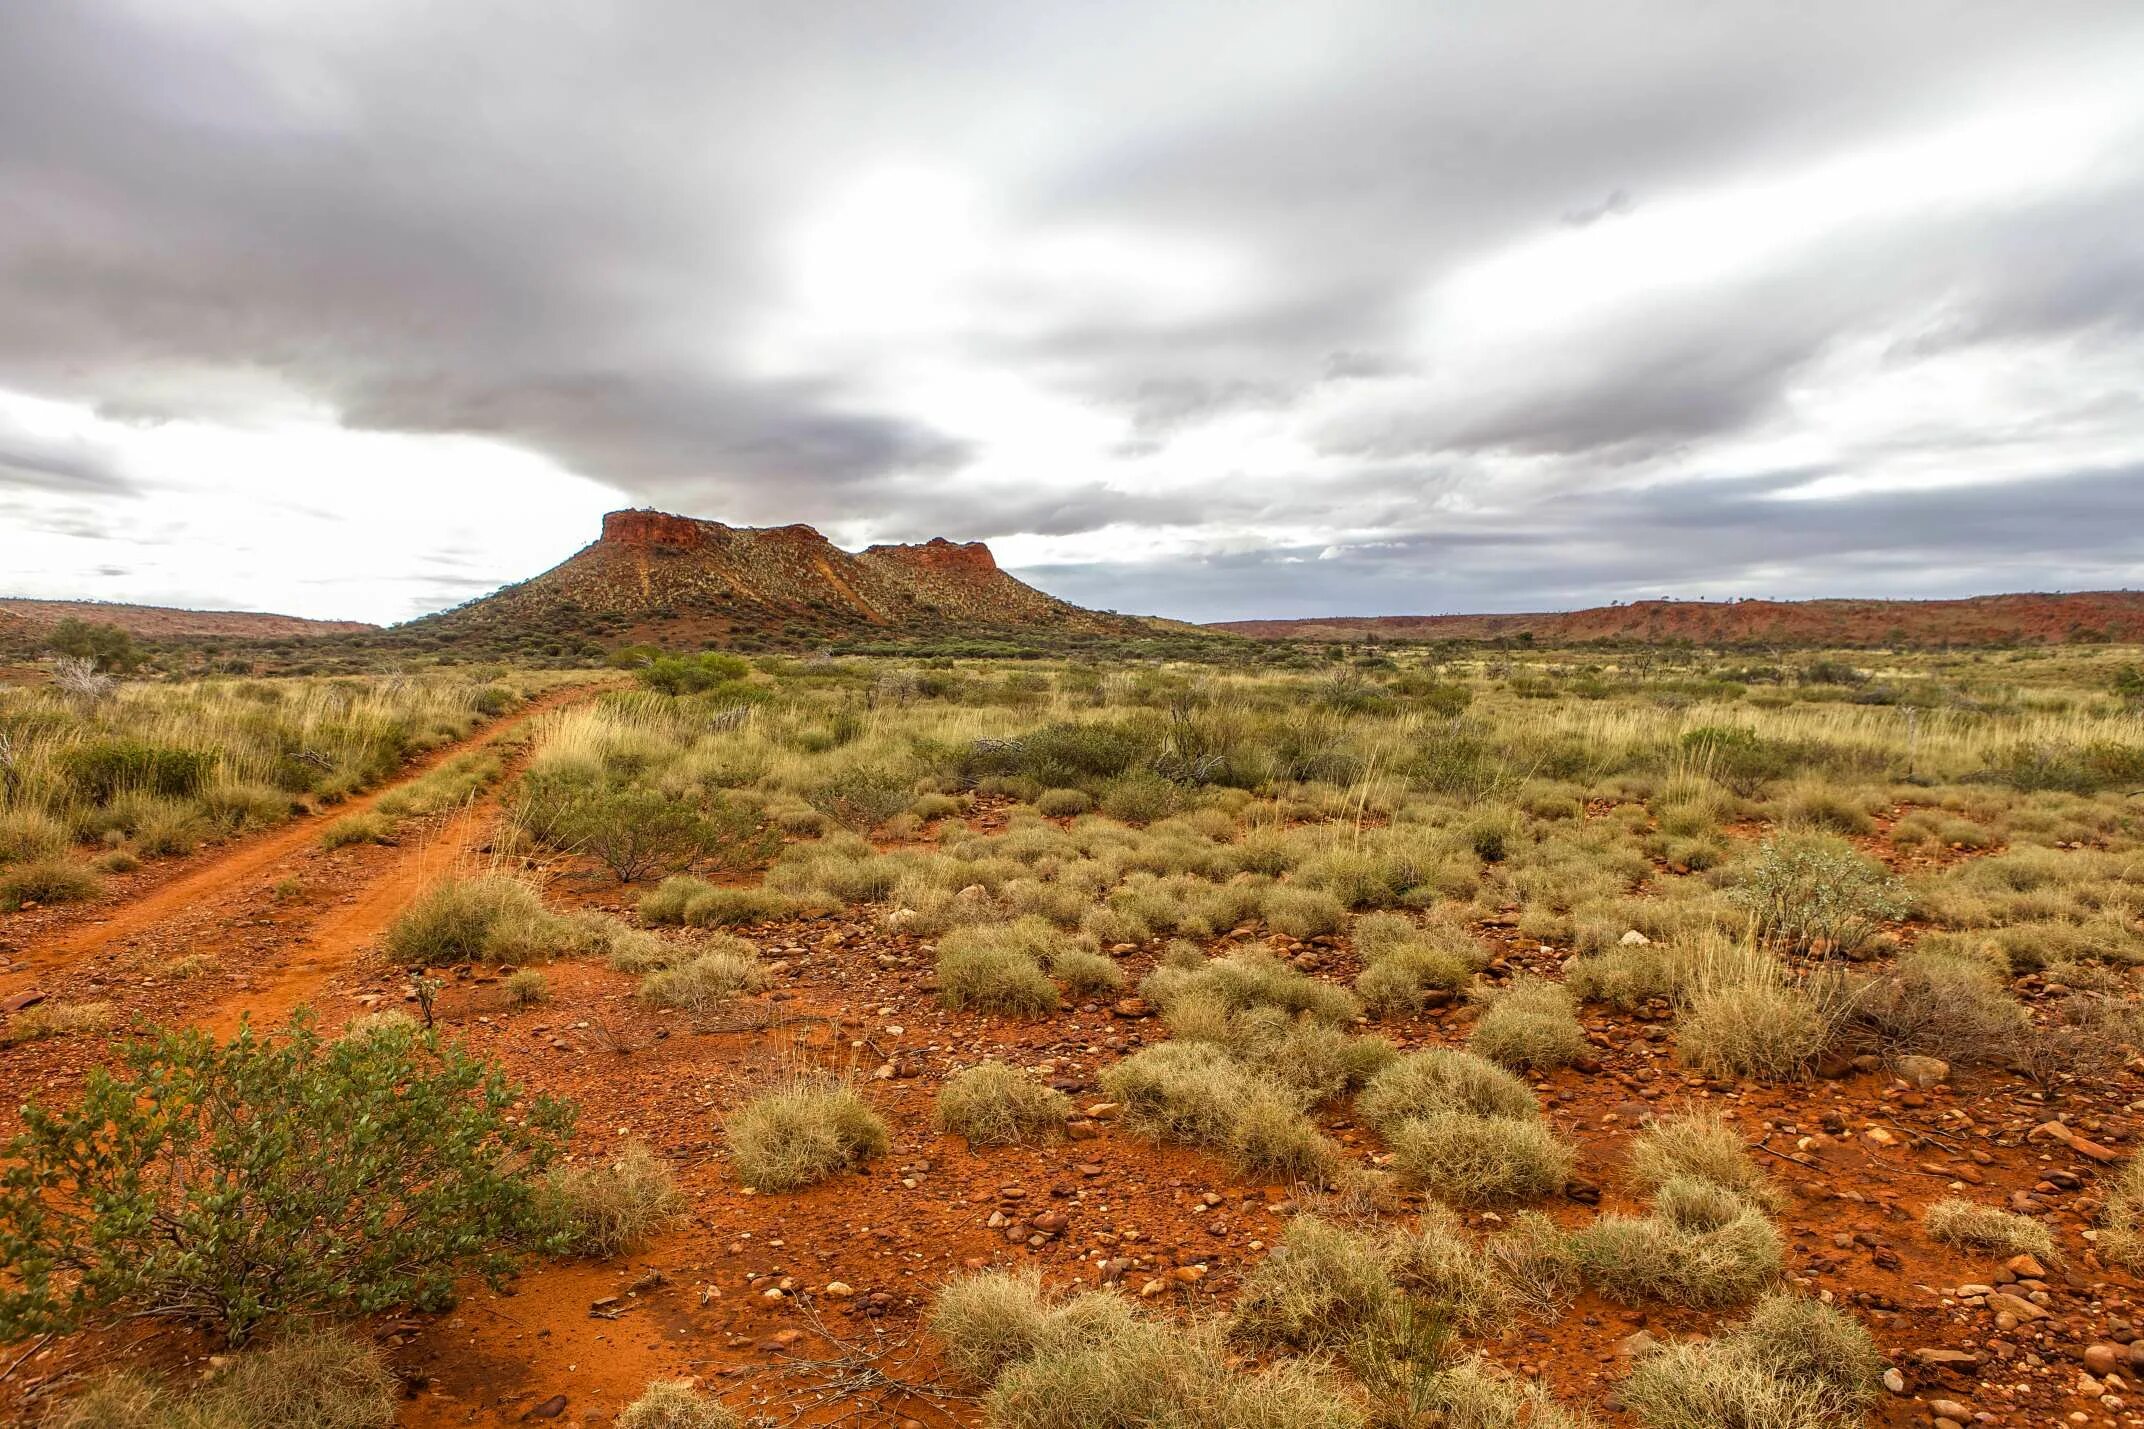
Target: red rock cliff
657,529
939,554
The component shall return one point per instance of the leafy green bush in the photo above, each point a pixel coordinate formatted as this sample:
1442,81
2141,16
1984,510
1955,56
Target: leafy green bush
691,674
1818,893
227,1184
639,832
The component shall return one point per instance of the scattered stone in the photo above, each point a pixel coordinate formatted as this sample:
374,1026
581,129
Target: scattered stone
1922,1072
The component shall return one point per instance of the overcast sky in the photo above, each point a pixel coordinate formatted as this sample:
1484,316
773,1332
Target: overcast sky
1210,310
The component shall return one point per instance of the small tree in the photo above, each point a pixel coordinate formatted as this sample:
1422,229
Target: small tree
104,645
229,1184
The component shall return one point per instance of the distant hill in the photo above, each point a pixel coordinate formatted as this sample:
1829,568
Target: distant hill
2107,615
678,580
23,618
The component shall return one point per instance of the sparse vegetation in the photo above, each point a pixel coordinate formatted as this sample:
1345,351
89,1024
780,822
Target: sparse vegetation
1794,1364
612,1207
2000,1233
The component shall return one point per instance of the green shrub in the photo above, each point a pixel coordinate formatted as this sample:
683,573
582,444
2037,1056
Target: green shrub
1529,1025
639,832
1702,1246
46,881
675,1404
229,1183
802,1132
1470,1160
611,1208
862,797
102,769
707,980
1818,893
1795,1364
1958,1222
996,1105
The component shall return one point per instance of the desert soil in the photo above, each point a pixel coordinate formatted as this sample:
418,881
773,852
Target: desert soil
807,1306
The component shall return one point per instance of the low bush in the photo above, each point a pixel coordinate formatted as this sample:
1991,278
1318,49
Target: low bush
1795,1364
996,1105
1938,1006
1818,893
1244,981
1959,1222
227,1183
1702,1246
1063,803
1468,1160
709,979
46,881
1474,1394
802,1132
613,1207
102,769
1530,1026
675,1404
30,836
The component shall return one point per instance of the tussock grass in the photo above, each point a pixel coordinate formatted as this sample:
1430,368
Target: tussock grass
1474,1394
997,967
1478,1160
1702,1246
526,987
1321,1287
1246,980
46,881
1440,1081
491,917
802,1132
1437,1266
1094,1362
614,1207
1795,1364
1196,1094
317,1380
695,903
1530,1025
675,1404
1534,1263
711,978
1086,974
58,1019
2121,1220
30,836
365,828
1699,1146
1626,978
996,1105
1959,1222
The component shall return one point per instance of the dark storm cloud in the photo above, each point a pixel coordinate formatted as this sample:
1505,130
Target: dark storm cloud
570,228
33,462
1748,537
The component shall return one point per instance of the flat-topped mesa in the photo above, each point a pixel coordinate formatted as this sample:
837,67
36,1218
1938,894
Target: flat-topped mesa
658,529
939,554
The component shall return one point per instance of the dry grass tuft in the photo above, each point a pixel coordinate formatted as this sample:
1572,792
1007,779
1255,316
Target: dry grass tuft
1700,1146
675,1404
996,1105
1958,1222
1530,1025
1703,1246
802,1132
1479,1160
1795,1364
614,1207
709,980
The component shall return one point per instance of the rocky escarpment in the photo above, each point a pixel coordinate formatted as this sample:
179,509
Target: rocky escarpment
652,575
